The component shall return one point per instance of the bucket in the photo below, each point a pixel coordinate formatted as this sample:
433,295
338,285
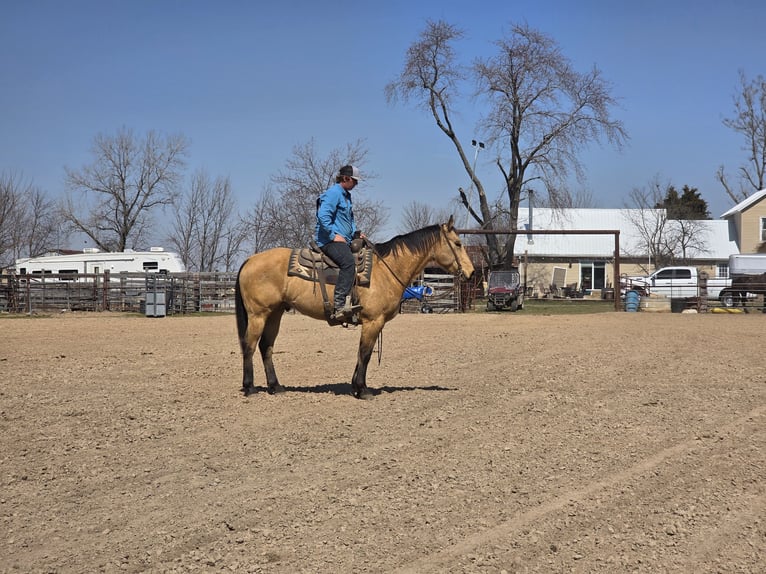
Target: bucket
632,299
607,294
677,305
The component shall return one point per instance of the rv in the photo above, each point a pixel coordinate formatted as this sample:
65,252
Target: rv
93,261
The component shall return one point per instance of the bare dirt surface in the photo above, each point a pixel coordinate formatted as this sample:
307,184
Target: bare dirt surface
617,442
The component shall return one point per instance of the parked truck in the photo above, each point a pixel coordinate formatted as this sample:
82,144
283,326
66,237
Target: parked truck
677,283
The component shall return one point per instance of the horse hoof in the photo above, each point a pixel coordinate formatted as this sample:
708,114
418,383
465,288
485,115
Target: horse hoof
276,389
364,394
247,391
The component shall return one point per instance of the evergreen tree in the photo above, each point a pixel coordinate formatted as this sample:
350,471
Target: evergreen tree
688,205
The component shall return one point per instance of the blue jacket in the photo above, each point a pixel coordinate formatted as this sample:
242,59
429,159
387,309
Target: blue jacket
335,216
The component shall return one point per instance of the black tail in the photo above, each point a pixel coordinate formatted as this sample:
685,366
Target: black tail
239,306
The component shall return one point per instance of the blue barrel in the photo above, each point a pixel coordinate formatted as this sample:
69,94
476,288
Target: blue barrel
632,299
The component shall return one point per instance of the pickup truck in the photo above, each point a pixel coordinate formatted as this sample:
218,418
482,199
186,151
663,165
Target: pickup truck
677,282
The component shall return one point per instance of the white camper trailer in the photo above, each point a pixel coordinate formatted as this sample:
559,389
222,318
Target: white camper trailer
94,261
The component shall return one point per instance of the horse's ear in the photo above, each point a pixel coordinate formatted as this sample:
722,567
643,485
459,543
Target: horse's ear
451,223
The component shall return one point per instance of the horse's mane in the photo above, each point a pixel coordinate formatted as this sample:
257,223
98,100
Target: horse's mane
416,241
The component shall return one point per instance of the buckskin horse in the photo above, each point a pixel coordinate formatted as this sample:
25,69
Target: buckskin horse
264,291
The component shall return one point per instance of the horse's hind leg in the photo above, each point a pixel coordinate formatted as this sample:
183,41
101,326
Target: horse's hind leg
266,346
247,344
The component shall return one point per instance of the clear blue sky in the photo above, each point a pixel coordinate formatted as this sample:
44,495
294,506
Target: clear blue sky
247,81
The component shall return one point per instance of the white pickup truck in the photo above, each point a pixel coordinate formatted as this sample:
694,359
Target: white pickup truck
677,282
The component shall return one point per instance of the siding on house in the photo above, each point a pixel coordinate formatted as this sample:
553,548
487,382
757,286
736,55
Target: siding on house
747,217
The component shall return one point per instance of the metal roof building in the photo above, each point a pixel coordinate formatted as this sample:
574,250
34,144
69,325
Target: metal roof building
719,236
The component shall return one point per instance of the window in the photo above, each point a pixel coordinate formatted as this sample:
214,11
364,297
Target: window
151,266
665,274
763,228
592,274
68,274
683,274
722,270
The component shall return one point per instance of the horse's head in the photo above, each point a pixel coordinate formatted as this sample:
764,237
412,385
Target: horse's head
451,254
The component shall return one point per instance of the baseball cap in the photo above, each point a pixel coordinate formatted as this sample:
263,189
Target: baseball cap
351,171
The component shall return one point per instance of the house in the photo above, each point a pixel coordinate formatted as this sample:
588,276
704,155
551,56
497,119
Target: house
586,262
747,222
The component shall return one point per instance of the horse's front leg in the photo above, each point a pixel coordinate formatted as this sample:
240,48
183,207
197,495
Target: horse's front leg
370,332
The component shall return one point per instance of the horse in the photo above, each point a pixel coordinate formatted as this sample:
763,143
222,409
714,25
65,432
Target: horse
264,291
741,285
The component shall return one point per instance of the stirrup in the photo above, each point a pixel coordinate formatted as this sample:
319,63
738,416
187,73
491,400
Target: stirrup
345,313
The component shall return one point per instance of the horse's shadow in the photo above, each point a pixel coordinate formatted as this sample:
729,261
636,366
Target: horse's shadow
345,389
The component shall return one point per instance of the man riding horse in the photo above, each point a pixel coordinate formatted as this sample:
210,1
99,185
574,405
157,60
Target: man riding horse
335,230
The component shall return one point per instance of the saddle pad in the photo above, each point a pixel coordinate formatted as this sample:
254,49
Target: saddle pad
303,263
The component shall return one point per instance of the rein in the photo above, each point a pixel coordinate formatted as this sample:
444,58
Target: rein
402,283
454,254
385,263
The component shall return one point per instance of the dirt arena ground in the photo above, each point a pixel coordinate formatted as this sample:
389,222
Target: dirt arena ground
496,443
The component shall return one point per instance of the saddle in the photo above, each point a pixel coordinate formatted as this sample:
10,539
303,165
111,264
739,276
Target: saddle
312,264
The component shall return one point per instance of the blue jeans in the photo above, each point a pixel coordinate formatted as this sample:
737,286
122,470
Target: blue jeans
341,254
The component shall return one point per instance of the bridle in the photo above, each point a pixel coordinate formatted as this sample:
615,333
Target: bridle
460,271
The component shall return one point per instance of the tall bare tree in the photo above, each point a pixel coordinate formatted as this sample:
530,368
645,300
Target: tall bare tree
113,199
665,240
749,121
417,215
539,114
205,230
9,206
285,213
29,224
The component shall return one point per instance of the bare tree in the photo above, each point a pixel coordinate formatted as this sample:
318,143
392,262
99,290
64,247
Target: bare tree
205,230
257,224
650,224
28,220
9,206
750,122
540,113
285,213
417,215
690,238
234,238
666,241
112,200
